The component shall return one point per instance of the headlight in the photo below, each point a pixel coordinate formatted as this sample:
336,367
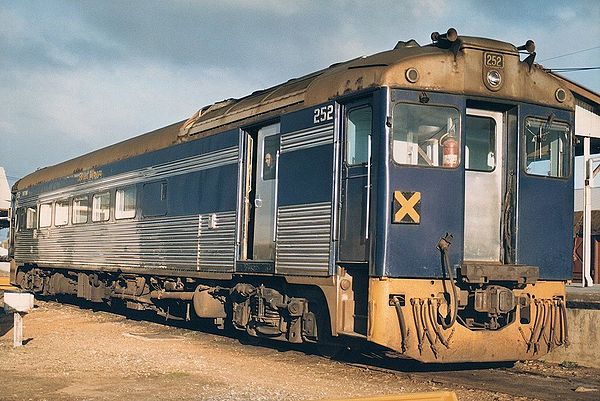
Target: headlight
494,79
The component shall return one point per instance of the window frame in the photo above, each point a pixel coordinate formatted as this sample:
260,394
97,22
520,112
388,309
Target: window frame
568,146
39,216
30,224
358,107
459,130
162,198
87,209
97,195
271,146
66,221
495,144
125,214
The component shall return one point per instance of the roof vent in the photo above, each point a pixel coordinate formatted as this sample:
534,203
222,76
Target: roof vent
411,43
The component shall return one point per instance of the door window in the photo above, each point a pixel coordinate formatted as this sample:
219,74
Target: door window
480,150
357,136
269,165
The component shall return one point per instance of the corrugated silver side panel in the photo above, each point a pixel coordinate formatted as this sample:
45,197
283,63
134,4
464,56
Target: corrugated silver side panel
304,238
308,138
164,242
216,246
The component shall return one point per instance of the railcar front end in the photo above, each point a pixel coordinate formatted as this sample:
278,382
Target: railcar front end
474,217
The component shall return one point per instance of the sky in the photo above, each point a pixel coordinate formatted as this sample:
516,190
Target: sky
76,76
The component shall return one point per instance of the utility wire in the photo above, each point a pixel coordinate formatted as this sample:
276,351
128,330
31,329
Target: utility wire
570,54
571,69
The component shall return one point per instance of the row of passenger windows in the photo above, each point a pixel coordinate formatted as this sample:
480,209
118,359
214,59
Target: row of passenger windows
125,206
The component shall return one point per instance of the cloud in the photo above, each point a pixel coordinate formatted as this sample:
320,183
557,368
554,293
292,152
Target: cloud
68,114
75,76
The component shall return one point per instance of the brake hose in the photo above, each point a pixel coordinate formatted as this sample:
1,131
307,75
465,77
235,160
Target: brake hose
443,246
403,331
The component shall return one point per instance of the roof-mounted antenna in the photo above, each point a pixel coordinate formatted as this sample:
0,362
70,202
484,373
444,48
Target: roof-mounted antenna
529,46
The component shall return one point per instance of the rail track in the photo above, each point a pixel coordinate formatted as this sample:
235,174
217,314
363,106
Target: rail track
534,380
223,357
549,384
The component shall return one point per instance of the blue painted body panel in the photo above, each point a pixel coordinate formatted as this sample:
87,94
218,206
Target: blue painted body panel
410,249
207,191
301,119
152,200
306,176
544,213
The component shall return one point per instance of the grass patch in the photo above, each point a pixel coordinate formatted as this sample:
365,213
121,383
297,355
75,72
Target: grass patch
568,364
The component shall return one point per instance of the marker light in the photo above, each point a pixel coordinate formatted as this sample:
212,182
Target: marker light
412,75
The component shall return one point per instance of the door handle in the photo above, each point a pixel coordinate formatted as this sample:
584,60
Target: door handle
258,202
368,188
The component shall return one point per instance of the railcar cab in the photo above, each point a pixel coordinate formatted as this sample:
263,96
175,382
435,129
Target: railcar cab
460,205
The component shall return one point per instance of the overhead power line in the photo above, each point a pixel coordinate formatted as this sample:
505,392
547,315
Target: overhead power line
573,69
570,54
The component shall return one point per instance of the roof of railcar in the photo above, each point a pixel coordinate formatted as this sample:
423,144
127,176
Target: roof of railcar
382,69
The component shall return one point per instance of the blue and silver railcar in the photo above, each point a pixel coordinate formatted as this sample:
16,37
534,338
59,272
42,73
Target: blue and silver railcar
419,199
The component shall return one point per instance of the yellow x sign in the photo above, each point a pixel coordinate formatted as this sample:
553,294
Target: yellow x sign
407,206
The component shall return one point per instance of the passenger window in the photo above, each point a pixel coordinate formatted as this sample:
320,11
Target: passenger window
45,215
31,218
80,209
125,203
480,150
426,135
19,219
547,147
61,213
357,135
101,207
154,199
